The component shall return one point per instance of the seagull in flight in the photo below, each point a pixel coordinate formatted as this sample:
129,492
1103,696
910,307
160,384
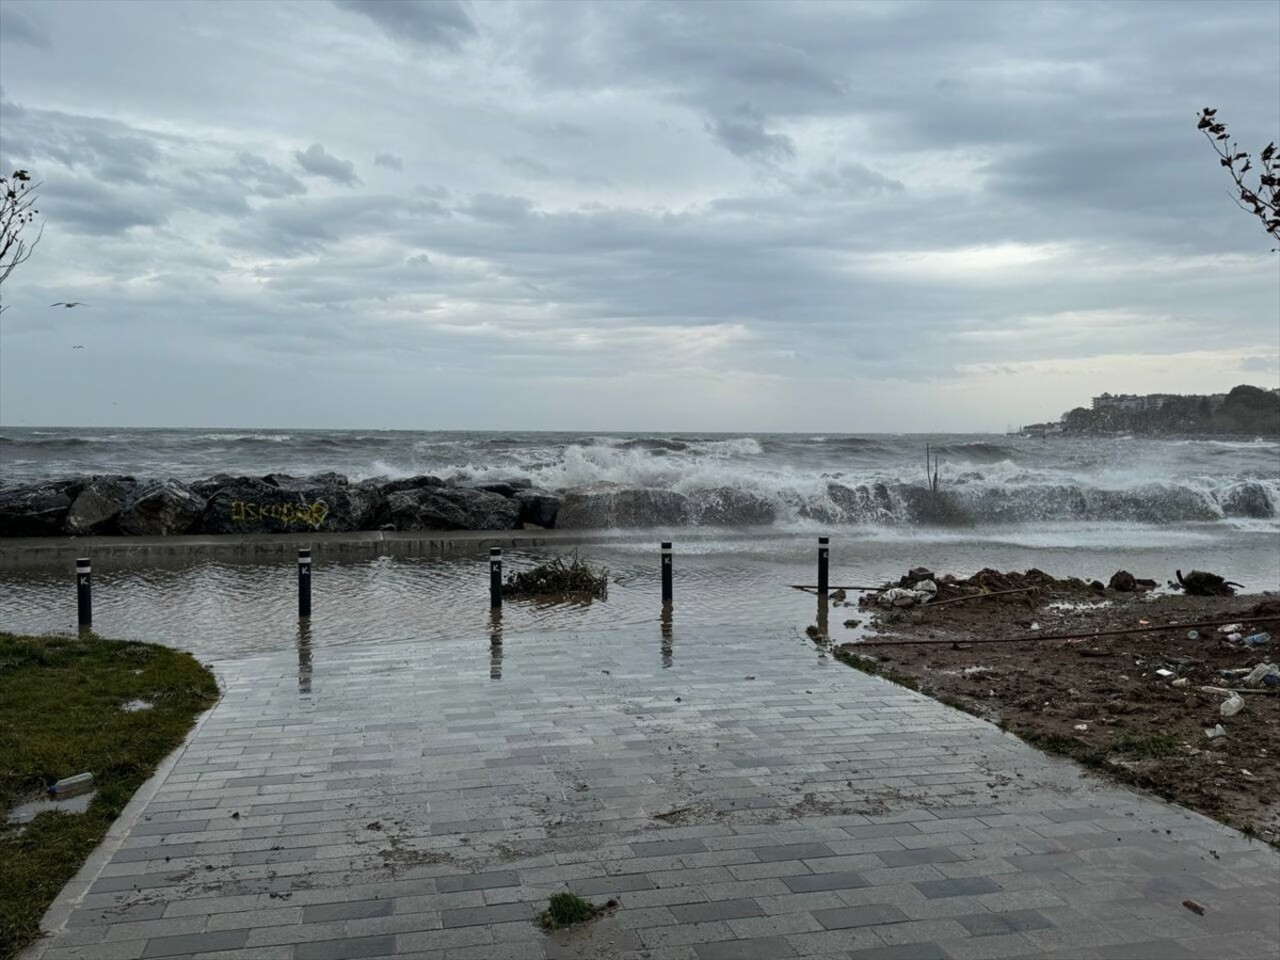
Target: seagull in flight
68,305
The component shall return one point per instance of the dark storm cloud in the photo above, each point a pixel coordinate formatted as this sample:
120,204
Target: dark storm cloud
318,162
388,160
17,27
433,23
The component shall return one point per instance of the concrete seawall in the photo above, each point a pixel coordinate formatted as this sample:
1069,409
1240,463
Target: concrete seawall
18,552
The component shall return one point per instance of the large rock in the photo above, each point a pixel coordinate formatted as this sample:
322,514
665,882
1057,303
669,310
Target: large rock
97,508
602,505
1248,500
407,483
161,508
38,509
447,508
537,507
320,503
504,488
730,507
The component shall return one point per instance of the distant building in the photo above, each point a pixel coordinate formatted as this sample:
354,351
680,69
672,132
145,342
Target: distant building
1133,403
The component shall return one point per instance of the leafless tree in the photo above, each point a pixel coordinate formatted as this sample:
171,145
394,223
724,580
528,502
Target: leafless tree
17,213
1259,194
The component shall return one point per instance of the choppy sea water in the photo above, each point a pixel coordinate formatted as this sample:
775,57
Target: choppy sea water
868,480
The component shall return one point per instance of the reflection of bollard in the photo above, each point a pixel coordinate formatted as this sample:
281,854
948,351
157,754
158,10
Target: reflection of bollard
304,655
823,561
84,593
495,578
304,583
667,658
666,573
495,643
824,624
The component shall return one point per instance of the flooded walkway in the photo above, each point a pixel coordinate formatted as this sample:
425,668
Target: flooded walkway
739,796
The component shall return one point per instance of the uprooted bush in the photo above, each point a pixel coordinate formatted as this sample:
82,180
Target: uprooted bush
568,909
557,578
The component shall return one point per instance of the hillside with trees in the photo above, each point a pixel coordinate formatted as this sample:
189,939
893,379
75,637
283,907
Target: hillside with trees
1246,411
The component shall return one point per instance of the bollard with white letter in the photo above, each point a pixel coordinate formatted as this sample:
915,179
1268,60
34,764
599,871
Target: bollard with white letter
495,578
84,593
304,582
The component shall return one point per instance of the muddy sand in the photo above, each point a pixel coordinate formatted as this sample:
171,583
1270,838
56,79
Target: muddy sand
1134,707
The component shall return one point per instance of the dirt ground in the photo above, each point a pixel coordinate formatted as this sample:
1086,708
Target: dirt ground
1100,701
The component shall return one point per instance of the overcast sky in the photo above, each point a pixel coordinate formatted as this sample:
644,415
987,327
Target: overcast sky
634,216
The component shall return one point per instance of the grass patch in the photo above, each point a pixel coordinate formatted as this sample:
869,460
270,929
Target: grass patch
559,579
567,909
60,715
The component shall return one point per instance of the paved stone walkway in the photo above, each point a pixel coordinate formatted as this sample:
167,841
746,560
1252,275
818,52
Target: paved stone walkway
739,797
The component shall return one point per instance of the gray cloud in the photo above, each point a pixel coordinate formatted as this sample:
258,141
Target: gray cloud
433,23
17,27
918,198
742,133
318,162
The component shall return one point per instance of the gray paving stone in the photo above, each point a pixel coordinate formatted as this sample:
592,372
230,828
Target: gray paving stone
792,851
843,880
189,943
902,951
867,916
716,910
346,949
347,910
764,948
1014,921
961,887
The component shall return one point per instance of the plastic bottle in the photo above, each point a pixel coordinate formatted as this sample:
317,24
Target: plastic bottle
1258,639
72,786
1232,705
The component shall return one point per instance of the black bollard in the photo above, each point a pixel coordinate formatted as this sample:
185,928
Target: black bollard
666,573
495,643
304,583
84,593
824,557
495,578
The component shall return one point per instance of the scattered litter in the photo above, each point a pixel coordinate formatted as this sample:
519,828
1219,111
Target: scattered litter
1194,907
1162,672
133,706
1199,583
1258,639
1193,634
1231,628
1214,732
26,812
71,786
1246,773
1232,705
1259,674
1034,626
1082,726
1180,682
852,624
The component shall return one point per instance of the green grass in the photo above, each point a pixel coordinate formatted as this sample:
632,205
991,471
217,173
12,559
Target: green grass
566,909
60,715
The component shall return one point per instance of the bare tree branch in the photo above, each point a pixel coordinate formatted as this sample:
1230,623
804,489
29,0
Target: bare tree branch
1261,198
17,213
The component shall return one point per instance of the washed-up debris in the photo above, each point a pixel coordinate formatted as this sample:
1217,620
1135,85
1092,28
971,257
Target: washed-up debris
853,624
1232,705
559,579
1267,674
1162,672
71,786
1214,732
1258,639
1180,682
1196,908
1200,583
1231,628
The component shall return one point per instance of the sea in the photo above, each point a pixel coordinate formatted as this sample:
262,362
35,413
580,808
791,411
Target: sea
1079,506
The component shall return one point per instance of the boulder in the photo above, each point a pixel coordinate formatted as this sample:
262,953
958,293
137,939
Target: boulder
601,505
207,488
730,507
160,508
504,488
332,505
38,509
447,508
97,508
407,483
537,507
1249,499
1122,581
